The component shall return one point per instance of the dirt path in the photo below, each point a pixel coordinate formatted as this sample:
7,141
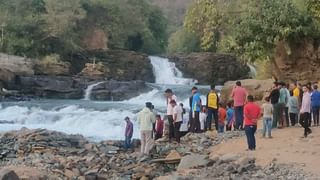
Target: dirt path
287,146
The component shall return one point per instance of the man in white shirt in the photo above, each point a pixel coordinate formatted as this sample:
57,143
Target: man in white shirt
170,96
145,120
177,119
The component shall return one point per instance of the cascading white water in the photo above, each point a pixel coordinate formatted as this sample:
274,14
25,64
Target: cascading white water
89,89
167,73
253,71
96,120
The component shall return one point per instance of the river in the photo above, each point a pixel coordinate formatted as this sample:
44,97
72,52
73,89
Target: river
98,120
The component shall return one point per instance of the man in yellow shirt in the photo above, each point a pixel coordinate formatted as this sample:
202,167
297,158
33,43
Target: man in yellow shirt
212,108
296,91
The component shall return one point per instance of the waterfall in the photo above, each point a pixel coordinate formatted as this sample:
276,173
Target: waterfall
253,71
167,73
98,120
89,89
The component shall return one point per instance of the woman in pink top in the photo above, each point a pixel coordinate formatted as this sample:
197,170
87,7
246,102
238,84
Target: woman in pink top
239,95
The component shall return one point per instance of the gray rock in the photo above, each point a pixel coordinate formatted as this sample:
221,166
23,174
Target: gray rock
6,174
193,161
229,158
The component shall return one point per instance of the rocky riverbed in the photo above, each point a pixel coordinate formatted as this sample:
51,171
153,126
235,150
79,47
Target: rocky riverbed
57,155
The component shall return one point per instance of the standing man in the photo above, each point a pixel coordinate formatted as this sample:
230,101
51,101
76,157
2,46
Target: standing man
274,98
146,119
177,119
239,95
170,96
305,111
286,109
128,133
212,108
196,108
283,99
251,116
315,103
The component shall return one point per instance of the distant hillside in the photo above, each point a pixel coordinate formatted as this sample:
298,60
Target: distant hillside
174,10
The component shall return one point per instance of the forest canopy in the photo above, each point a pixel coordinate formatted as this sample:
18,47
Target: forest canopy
36,28
250,29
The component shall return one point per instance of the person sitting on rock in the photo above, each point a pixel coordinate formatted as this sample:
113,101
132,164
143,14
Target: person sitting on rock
251,116
146,119
222,118
159,127
128,133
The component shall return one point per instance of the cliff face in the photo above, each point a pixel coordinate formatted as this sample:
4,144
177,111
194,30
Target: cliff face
210,68
50,79
301,62
118,64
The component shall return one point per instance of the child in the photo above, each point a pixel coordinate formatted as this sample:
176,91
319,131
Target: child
222,117
203,118
267,110
230,116
159,127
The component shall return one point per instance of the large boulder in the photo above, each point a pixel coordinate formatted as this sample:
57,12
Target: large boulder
52,68
118,90
210,68
10,66
6,174
257,88
67,87
119,65
49,86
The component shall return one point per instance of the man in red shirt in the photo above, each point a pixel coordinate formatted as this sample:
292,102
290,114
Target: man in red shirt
251,116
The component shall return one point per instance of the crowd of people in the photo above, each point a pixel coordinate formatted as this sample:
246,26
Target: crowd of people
285,105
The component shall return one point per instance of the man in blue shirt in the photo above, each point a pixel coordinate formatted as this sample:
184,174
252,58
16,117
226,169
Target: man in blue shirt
196,108
315,105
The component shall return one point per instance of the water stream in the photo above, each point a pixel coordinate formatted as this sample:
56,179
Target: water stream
97,120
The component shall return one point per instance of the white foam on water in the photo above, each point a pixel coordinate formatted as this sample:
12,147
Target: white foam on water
98,125
167,73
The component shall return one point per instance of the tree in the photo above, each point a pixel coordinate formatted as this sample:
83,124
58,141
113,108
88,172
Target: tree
184,41
205,19
269,22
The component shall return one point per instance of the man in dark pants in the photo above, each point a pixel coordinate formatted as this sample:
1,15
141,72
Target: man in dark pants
191,121
239,95
305,111
196,108
177,119
170,96
251,116
315,104
274,98
212,108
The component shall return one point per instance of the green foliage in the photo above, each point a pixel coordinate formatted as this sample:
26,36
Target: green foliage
314,7
204,18
270,22
252,28
183,41
36,28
